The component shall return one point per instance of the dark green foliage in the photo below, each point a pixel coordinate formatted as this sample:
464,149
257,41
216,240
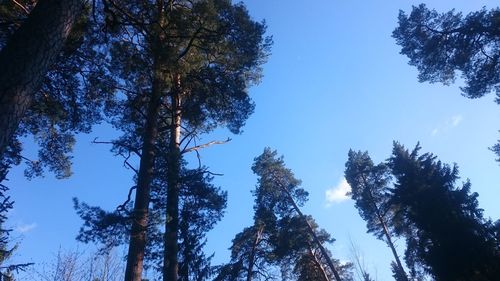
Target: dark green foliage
12,15
496,149
273,183
295,248
369,189
11,157
71,97
440,44
445,229
446,234
202,206
279,244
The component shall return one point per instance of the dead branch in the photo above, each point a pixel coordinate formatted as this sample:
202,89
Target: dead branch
198,147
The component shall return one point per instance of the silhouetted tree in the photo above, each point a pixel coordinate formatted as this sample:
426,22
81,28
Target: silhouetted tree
281,236
370,189
183,68
279,191
27,57
445,229
71,94
441,45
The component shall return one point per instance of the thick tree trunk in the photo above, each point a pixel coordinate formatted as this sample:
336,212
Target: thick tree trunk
137,244
170,263
27,57
324,253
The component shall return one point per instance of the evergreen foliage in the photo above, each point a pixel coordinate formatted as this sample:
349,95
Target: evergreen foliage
279,244
446,233
440,45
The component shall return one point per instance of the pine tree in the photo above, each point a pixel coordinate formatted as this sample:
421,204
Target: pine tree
445,229
27,57
441,45
183,70
281,236
370,190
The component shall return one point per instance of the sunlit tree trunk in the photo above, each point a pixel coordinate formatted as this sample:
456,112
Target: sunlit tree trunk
171,264
27,57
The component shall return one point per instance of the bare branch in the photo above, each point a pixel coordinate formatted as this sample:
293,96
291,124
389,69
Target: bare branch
198,147
21,6
121,144
122,206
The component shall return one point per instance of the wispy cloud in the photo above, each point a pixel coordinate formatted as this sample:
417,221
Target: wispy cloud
449,123
337,193
456,120
24,228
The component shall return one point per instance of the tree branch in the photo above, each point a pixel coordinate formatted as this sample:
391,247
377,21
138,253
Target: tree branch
198,147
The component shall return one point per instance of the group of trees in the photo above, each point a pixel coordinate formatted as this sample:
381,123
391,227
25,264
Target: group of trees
282,243
417,197
166,72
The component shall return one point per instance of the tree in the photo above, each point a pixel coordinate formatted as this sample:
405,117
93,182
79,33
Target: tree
370,190
279,187
6,204
281,235
298,252
28,56
440,45
445,229
71,96
201,204
183,70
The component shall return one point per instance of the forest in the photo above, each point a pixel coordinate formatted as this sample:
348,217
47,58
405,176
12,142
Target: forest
198,140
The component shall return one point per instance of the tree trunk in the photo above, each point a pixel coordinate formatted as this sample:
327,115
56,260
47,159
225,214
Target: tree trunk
386,232
170,263
318,263
315,237
391,245
251,259
137,244
27,57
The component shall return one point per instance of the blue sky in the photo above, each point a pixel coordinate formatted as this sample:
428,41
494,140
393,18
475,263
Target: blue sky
335,81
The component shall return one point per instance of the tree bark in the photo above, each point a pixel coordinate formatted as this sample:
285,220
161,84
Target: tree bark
170,263
27,57
137,244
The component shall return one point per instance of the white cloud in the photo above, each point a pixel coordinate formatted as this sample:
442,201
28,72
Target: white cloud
24,228
450,123
455,120
337,193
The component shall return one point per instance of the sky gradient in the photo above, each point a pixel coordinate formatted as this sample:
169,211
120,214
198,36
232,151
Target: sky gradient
335,81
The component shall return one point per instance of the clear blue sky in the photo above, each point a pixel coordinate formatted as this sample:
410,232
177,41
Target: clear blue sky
335,81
